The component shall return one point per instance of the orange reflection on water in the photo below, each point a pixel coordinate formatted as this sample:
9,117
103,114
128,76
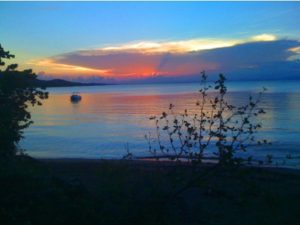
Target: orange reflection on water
113,107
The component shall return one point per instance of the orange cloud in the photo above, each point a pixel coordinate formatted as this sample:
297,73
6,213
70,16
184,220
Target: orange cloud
55,68
170,58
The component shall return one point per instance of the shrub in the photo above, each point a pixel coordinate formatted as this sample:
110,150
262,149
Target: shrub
224,128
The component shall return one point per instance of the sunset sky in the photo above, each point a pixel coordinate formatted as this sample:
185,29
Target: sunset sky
154,41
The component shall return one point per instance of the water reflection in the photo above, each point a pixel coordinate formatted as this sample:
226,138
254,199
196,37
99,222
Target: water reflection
102,122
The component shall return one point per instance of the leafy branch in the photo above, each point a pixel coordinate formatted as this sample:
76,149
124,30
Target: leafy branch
217,125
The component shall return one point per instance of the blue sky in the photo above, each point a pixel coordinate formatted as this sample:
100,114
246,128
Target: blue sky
37,31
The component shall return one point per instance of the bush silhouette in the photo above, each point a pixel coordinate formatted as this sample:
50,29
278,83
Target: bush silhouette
227,129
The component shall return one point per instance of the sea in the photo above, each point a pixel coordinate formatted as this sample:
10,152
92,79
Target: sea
111,120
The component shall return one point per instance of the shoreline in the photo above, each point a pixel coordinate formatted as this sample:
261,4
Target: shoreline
146,163
105,189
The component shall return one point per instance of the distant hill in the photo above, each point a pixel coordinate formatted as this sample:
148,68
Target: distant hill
62,83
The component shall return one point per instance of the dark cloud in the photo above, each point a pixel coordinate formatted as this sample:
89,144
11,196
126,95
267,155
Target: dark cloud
257,60
251,54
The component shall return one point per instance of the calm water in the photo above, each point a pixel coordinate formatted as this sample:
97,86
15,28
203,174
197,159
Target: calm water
108,117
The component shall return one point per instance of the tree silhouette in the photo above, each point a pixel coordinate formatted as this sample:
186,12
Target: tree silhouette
17,92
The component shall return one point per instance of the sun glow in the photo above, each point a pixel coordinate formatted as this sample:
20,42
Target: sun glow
264,37
296,54
173,46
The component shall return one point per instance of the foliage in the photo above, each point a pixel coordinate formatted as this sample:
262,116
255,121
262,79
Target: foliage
17,92
225,128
